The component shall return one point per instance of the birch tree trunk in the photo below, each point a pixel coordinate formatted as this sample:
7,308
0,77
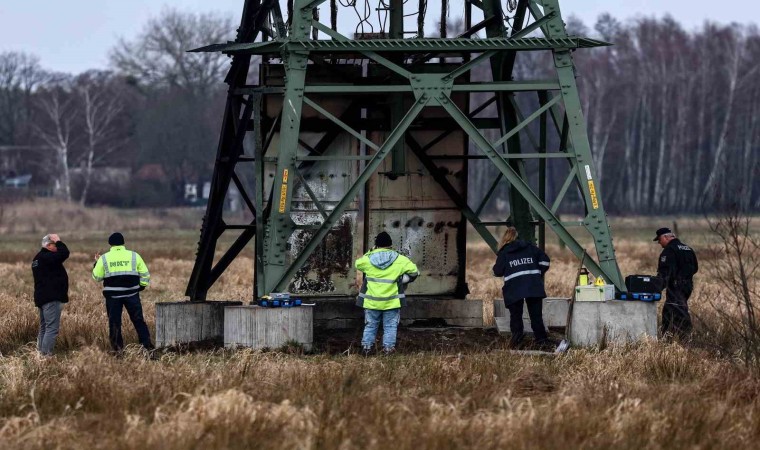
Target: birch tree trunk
749,160
58,135
100,111
701,136
659,178
718,163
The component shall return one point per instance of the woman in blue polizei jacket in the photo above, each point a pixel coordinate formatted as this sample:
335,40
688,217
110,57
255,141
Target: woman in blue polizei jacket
522,265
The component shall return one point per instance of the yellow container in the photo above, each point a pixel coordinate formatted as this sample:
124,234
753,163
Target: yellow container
583,278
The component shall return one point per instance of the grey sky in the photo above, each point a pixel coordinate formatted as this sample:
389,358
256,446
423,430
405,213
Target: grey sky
74,35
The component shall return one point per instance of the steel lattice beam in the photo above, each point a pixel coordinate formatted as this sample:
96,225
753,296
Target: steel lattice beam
406,45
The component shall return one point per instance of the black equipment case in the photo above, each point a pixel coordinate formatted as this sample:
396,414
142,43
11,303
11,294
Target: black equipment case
644,283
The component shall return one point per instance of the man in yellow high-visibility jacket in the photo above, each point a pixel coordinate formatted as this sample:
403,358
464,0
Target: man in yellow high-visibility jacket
124,274
386,274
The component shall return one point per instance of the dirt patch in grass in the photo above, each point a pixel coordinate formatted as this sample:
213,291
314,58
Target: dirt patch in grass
411,340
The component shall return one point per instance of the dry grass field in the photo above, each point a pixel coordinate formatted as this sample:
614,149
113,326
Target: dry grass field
651,395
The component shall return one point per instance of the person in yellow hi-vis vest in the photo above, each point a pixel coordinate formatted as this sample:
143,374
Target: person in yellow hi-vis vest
124,274
386,274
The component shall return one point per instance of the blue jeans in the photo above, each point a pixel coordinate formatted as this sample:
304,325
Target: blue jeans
50,321
390,320
134,309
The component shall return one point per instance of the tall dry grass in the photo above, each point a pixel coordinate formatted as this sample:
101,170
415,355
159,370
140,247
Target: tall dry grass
41,215
647,396
653,395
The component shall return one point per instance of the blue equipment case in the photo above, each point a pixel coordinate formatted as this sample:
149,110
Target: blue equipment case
639,296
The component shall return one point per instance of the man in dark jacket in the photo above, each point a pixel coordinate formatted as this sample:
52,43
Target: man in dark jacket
677,265
51,289
522,265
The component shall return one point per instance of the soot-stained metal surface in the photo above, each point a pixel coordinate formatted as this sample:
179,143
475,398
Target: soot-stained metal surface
427,237
419,215
330,269
411,206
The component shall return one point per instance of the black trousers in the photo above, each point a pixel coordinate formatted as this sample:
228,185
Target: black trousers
675,313
536,319
134,309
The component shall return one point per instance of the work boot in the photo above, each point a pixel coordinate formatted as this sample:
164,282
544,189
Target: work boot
387,351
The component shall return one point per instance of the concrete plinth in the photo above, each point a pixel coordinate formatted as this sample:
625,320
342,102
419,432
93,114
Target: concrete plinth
615,321
454,313
335,313
554,311
257,327
189,322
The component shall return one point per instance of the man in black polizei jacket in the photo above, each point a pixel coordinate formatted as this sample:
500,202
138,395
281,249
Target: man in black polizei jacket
522,265
677,265
51,289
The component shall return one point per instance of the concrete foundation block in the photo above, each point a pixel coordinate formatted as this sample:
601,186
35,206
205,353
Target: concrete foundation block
554,312
336,313
455,313
257,327
615,321
189,322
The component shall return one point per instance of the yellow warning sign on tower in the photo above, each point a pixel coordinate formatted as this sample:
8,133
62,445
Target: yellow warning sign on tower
592,193
283,191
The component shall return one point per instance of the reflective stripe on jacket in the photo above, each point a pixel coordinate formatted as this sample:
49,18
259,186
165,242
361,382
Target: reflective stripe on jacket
383,270
522,266
123,272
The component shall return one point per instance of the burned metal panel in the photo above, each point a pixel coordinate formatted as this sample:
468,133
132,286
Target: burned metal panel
411,206
330,269
418,214
421,218
428,238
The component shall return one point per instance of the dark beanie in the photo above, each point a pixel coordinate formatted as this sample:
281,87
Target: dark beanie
116,239
383,240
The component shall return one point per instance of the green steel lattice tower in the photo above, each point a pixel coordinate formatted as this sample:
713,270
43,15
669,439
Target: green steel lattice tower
348,136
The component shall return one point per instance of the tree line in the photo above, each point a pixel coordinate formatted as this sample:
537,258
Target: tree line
156,106
672,114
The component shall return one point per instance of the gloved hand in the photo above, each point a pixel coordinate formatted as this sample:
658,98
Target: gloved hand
405,279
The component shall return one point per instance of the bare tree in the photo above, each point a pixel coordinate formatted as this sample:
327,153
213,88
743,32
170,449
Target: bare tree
159,55
57,108
20,74
100,104
738,270
733,48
